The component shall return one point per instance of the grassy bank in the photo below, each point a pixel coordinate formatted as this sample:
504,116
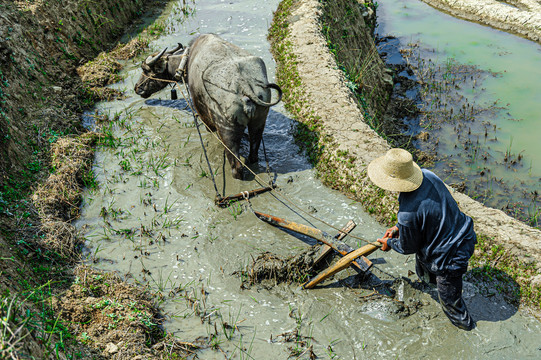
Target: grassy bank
50,309
334,167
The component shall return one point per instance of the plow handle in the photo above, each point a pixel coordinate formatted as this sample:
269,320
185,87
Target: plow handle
342,263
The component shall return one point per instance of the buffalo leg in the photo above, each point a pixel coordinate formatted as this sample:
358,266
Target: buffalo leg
231,140
256,134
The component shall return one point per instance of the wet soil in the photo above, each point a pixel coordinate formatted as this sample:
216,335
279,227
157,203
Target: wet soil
153,218
189,260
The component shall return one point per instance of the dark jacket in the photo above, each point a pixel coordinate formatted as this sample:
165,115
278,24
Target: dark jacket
432,226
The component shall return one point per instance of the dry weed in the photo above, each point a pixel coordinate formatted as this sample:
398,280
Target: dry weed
105,94
130,50
58,198
62,238
116,318
101,71
105,68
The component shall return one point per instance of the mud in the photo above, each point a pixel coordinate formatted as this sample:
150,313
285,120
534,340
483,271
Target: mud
115,317
153,219
271,270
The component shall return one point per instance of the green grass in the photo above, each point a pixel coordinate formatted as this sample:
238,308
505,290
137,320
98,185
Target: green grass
492,263
321,150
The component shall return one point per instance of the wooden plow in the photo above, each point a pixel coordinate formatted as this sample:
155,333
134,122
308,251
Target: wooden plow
351,257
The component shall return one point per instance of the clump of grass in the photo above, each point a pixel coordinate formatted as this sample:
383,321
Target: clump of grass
58,198
105,68
97,93
491,262
99,300
130,50
62,238
101,71
60,195
270,267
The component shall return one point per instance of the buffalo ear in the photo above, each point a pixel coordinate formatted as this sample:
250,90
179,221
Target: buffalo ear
160,66
145,67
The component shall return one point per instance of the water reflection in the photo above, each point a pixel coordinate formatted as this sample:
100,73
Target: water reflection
476,87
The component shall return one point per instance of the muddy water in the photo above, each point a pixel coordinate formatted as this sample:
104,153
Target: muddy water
497,155
153,219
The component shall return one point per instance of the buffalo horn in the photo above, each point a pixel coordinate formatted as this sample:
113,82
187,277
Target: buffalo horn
153,60
177,48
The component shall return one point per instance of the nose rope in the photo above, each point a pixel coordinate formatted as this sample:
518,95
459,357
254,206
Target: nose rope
148,77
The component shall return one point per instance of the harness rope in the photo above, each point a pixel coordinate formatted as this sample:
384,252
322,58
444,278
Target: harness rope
206,156
218,195
273,191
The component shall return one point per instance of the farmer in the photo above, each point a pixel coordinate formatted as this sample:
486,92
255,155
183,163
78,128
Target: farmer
431,226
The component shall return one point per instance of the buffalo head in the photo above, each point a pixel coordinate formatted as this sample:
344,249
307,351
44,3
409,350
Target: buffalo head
156,68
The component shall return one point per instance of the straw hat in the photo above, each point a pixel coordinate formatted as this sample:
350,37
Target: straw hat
395,171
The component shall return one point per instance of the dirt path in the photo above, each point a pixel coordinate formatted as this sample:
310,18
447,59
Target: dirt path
344,128
521,17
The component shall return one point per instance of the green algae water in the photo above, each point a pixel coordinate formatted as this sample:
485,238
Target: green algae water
497,155
153,220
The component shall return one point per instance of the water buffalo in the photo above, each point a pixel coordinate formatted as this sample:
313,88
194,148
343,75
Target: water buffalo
228,87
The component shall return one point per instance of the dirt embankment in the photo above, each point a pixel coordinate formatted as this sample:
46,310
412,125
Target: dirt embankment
342,141
48,309
522,17
41,44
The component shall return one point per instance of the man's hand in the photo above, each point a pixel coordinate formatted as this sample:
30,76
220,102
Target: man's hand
392,232
384,246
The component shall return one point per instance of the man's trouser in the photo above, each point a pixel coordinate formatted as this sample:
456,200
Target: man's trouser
449,285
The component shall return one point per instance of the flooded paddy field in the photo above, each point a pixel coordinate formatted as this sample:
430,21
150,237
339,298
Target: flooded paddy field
477,90
152,218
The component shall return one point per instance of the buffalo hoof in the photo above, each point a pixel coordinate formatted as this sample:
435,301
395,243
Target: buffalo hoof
252,159
237,173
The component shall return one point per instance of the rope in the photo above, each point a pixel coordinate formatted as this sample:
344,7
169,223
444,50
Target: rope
273,192
218,196
174,82
258,179
153,78
271,178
